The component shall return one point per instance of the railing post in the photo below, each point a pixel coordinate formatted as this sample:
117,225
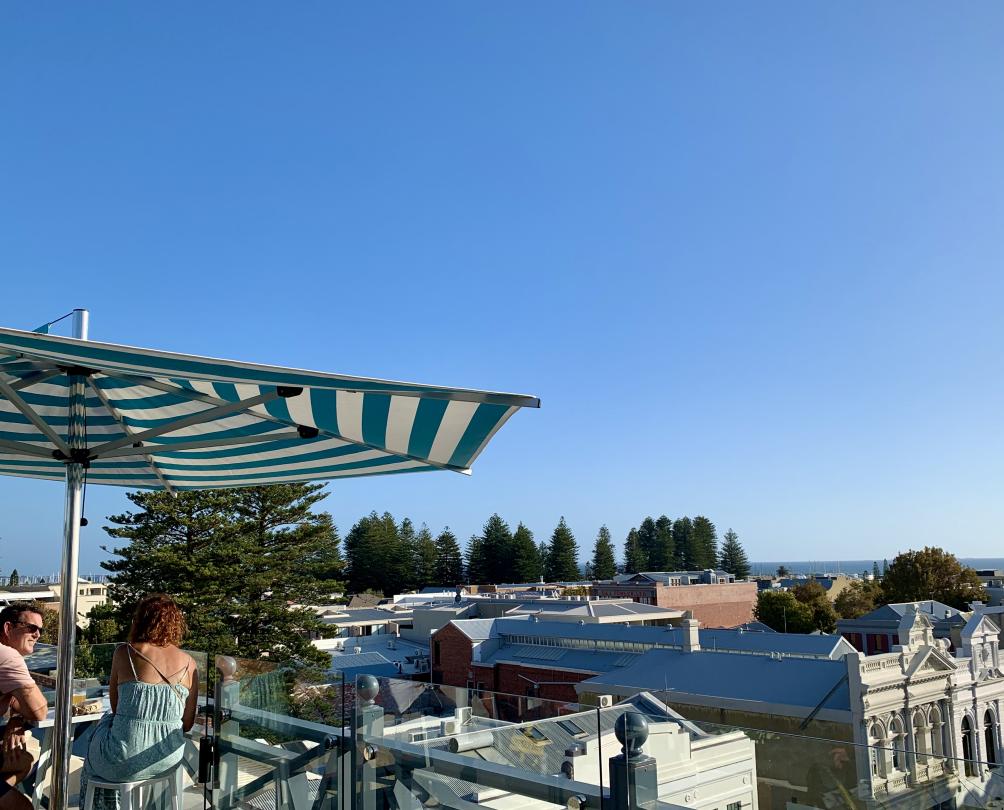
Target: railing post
227,696
634,783
367,723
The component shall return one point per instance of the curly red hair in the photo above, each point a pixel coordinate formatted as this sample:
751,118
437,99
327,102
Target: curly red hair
158,620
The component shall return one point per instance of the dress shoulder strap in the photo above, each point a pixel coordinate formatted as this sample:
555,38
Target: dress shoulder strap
129,652
168,681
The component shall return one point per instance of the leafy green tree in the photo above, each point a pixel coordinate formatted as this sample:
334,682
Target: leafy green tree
813,596
781,611
858,598
782,571
885,567
449,560
562,556
526,558
104,625
648,542
931,574
235,560
85,665
542,556
682,529
498,550
603,564
476,561
734,559
634,557
375,558
876,576
425,558
14,579
704,543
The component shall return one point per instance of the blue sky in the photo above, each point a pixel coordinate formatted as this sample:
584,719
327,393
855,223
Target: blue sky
749,257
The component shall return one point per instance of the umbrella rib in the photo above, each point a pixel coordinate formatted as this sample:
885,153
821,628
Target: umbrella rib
37,377
34,418
151,382
122,424
27,449
193,419
196,444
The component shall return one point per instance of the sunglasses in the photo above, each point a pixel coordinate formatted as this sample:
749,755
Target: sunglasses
31,628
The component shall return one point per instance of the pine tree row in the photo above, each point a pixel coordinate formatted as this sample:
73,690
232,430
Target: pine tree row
385,556
684,544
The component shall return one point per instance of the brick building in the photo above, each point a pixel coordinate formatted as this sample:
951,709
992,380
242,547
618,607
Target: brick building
714,598
546,659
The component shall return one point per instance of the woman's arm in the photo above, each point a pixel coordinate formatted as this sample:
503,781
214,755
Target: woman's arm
192,704
113,679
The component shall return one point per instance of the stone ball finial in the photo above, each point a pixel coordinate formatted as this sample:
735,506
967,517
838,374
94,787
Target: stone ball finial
631,729
367,688
227,665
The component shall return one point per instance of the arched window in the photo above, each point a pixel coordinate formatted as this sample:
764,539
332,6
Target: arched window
990,737
968,747
937,733
878,750
898,739
921,736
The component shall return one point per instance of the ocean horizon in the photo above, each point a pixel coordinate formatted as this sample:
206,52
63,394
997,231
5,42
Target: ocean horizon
759,567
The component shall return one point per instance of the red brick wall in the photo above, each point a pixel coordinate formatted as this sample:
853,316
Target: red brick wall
506,678
455,651
712,605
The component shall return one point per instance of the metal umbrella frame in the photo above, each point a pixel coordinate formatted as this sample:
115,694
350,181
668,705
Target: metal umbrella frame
86,412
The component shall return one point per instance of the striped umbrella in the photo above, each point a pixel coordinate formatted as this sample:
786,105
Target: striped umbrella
78,410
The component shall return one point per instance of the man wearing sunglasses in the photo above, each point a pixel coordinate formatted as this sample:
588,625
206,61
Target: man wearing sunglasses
20,627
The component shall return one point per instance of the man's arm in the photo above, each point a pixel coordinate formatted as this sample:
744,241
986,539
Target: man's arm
29,702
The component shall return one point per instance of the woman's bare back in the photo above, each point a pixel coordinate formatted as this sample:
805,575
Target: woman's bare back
175,664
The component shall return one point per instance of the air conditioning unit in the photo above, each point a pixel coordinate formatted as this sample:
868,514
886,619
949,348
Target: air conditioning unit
357,650
604,701
391,645
463,715
449,727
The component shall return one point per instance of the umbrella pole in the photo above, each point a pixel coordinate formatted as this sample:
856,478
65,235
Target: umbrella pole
62,727
62,730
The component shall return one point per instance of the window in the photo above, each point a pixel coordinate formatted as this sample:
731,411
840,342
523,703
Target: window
990,738
571,728
735,806
968,747
437,653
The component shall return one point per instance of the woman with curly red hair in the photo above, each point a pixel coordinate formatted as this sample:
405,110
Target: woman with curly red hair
154,692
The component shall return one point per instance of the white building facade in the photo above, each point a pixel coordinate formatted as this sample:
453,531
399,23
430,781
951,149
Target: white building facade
928,722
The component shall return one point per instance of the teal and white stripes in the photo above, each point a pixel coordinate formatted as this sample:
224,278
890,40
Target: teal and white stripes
296,425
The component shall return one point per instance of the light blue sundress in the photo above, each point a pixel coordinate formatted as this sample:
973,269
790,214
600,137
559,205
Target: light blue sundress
142,739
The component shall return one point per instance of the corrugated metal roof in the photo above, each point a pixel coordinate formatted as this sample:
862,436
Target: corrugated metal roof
789,681
821,646
475,629
366,659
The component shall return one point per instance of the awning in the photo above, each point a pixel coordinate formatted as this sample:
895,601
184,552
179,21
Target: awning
160,420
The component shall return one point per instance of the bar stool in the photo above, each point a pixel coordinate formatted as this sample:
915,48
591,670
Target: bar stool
173,782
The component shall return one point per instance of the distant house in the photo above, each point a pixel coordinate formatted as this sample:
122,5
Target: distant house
878,631
712,596
48,594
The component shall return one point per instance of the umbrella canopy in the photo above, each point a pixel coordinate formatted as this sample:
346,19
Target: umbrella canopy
158,420
76,410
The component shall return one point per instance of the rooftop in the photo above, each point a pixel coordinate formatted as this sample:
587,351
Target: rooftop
730,680
790,644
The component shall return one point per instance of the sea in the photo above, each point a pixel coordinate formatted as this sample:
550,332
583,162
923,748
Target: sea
852,566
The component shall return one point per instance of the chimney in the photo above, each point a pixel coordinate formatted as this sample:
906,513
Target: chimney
691,635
